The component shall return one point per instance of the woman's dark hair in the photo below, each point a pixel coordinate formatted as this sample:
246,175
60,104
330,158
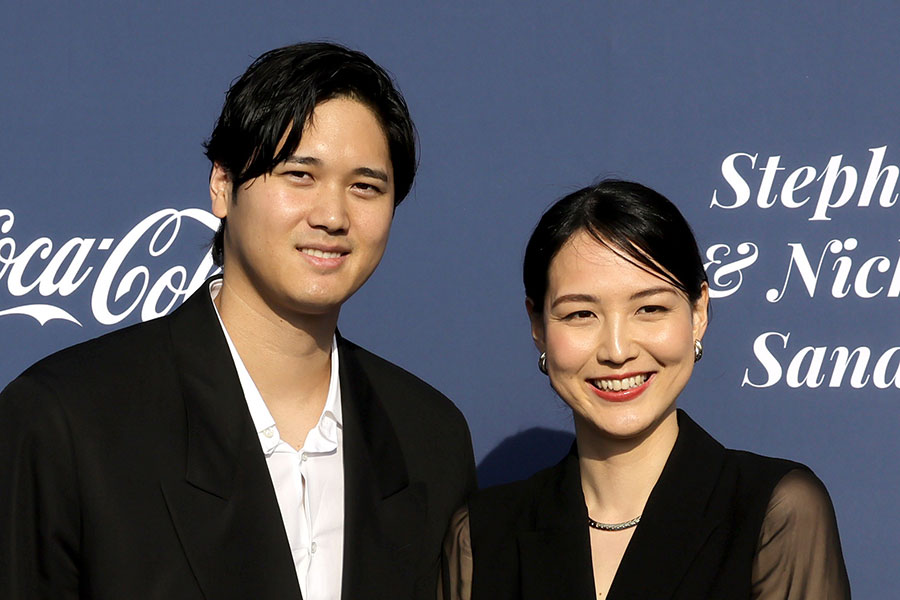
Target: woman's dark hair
628,217
280,91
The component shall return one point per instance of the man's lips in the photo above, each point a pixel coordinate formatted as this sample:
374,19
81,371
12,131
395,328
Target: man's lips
324,256
322,253
621,387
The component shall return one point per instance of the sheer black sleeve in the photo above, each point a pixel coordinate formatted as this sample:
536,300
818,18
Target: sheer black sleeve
456,571
799,554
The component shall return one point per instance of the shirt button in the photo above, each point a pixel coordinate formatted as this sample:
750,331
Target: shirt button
312,548
268,432
303,459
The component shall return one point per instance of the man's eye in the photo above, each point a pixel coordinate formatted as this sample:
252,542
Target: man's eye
367,187
299,174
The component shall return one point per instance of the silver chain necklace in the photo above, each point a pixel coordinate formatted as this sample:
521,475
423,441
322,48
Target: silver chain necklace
614,526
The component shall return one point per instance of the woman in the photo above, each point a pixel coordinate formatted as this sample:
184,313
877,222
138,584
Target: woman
647,504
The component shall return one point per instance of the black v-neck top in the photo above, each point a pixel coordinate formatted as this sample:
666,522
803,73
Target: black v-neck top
718,524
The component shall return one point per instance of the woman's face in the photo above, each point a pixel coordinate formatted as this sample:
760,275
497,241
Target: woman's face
619,340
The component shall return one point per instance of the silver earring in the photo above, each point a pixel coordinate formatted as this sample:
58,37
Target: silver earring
542,363
698,350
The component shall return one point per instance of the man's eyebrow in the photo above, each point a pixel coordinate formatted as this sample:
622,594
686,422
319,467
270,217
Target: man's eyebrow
303,160
316,162
373,173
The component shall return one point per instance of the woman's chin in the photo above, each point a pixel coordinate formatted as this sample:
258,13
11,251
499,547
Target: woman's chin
623,426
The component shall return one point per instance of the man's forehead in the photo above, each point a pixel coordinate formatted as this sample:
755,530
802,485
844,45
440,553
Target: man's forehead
310,123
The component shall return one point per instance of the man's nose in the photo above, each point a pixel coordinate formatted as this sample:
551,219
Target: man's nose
329,210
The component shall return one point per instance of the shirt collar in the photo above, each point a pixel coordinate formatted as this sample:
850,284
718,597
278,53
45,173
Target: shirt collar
322,438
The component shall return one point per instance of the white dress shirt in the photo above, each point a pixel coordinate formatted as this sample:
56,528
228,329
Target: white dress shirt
309,483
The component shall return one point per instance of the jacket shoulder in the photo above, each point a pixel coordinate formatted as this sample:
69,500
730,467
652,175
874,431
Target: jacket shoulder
514,491
111,366
745,477
430,429
758,473
114,346
510,507
398,388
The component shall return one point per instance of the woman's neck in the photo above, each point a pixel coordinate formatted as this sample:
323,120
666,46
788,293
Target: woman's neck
617,475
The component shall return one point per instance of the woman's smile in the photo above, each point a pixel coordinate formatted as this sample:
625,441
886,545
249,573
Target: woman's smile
621,388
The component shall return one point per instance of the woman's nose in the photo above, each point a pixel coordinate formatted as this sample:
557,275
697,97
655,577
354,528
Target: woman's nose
615,344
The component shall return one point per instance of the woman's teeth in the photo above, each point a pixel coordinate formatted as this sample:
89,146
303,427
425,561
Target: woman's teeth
616,385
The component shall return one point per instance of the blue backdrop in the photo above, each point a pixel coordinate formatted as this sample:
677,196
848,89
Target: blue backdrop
773,128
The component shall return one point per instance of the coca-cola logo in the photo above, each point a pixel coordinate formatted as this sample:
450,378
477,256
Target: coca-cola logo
124,274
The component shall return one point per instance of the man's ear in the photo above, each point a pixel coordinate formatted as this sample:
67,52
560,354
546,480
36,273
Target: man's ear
220,190
700,312
537,325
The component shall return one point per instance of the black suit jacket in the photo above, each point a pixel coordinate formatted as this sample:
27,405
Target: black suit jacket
131,469
697,538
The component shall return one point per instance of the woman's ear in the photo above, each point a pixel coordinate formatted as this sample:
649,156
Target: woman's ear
700,312
537,325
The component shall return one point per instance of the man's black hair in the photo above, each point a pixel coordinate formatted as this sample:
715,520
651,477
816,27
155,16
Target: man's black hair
278,94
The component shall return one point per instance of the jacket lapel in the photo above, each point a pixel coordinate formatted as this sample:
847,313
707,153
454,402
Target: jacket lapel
384,513
555,557
674,525
224,509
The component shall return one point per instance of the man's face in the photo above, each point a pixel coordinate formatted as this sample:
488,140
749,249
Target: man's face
303,238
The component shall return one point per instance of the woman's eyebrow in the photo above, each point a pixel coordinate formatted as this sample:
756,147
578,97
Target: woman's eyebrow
652,292
574,298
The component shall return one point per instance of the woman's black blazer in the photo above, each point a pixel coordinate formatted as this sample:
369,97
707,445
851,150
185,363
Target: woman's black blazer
697,539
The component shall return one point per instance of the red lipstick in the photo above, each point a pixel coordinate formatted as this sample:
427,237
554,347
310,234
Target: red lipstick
622,395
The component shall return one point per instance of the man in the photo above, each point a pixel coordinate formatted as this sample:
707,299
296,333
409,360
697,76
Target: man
239,447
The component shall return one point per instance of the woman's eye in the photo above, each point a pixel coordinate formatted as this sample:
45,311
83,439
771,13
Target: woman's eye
579,314
651,309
